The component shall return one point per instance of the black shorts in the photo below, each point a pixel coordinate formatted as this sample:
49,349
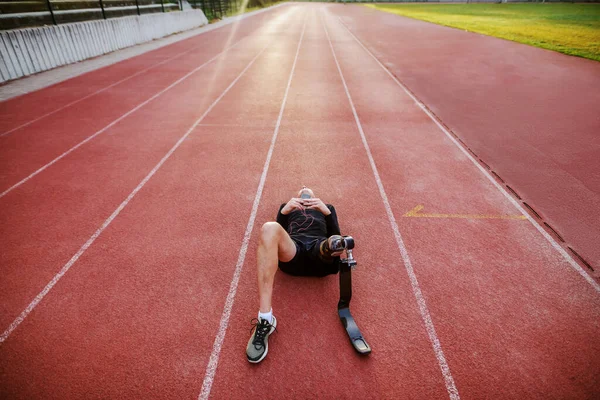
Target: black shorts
307,262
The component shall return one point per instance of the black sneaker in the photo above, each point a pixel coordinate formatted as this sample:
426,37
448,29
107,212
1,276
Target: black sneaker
258,345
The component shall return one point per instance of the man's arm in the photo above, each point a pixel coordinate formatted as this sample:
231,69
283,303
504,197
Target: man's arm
282,219
333,228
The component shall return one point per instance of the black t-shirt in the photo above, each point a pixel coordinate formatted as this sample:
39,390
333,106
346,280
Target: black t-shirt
307,225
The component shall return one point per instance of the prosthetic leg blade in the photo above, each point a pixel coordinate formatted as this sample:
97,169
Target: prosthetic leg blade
356,337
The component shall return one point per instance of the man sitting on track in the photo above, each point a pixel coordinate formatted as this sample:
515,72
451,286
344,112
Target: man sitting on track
299,243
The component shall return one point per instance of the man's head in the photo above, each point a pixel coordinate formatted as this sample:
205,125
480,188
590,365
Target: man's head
306,192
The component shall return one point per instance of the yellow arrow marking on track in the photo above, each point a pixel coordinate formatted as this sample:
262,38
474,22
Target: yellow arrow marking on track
415,212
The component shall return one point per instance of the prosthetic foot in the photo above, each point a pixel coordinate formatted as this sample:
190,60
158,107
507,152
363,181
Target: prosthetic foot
346,266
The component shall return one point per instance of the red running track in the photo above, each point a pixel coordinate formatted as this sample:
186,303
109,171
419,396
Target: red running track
530,114
472,307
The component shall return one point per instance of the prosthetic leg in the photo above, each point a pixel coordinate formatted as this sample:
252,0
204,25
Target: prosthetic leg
346,266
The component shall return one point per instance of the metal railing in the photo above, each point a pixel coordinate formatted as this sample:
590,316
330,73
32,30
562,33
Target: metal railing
28,13
220,8
215,8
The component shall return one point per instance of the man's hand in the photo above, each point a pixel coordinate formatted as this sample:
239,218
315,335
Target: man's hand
294,204
316,204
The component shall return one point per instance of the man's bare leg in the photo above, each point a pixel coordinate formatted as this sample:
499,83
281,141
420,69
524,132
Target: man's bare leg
274,245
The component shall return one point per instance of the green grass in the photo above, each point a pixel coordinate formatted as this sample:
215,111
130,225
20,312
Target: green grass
572,29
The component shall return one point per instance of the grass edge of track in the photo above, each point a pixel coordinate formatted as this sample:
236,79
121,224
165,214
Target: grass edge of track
558,31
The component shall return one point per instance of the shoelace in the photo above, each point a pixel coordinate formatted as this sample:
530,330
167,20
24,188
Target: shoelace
262,329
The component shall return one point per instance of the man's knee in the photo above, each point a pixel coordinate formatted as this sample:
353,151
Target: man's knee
270,231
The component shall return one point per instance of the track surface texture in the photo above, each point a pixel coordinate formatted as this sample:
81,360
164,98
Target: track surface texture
530,114
129,219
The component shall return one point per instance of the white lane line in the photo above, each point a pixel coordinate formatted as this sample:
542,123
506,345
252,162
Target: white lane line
213,362
522,210
115,213
124,79
99,91
51,77
178,81
423,309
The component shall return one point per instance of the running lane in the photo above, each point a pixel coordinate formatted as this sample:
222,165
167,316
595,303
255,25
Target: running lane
530,114
514,318
310,355
29,107
135,317
46,220
137,314
25,150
